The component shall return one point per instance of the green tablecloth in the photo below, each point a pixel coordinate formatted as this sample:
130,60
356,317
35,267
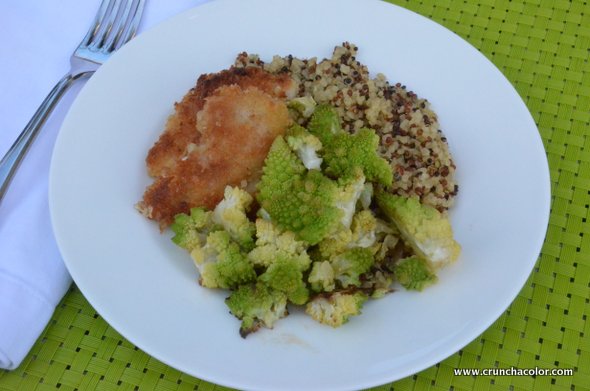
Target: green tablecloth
543,47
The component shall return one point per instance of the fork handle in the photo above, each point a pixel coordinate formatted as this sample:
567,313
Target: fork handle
10,162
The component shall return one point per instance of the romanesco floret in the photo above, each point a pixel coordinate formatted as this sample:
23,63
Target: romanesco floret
221,263
257,305
414,273
350,192
362,233
304,105
305,145
321,277
344,153
285,275
347,152
298,200
366,196
350,265
272,243
191,230
364,229
336,309
422,227
335,244
230,213
341,271
324,123
386,238
281,166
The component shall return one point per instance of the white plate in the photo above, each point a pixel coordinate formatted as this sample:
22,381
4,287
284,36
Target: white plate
145,286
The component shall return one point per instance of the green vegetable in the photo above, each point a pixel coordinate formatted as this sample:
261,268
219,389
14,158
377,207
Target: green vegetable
256,305
344,154
325,124
305,145
342,271
349,152
362,233
318,238
230,213
304,105
321,277
350,265
350,192
364,229
191,230
335,309
272,243
366,196
414,273
298,200
221,263
285,275
424,228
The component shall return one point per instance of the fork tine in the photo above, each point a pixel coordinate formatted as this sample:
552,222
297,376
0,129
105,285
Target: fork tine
118,26
133,24
98,19
106,27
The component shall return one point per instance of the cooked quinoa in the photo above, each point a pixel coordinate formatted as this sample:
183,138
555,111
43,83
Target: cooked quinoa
410,135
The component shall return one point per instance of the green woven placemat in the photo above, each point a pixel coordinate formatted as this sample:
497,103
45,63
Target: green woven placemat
542,46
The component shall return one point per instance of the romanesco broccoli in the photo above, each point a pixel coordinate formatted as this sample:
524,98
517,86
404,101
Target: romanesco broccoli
317,230
347,152
230,213
272,243
298,200
335,309
305,145
325,124
422,227
351,189
191,230
344,153
341,271
257,305
221,262
366,197
321,277
285,275
335,244
350,265
304,105
362,233
414,273
364,229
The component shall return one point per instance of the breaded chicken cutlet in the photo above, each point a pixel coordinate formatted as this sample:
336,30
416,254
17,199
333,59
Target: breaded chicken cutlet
219,135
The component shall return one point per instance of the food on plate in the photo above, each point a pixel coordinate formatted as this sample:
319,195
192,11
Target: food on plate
175,142
410,136
428,233
304,183
317,237
217,137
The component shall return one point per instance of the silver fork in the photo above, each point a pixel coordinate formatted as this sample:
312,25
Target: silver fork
115,23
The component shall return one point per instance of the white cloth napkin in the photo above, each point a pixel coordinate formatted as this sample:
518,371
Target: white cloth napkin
37,39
